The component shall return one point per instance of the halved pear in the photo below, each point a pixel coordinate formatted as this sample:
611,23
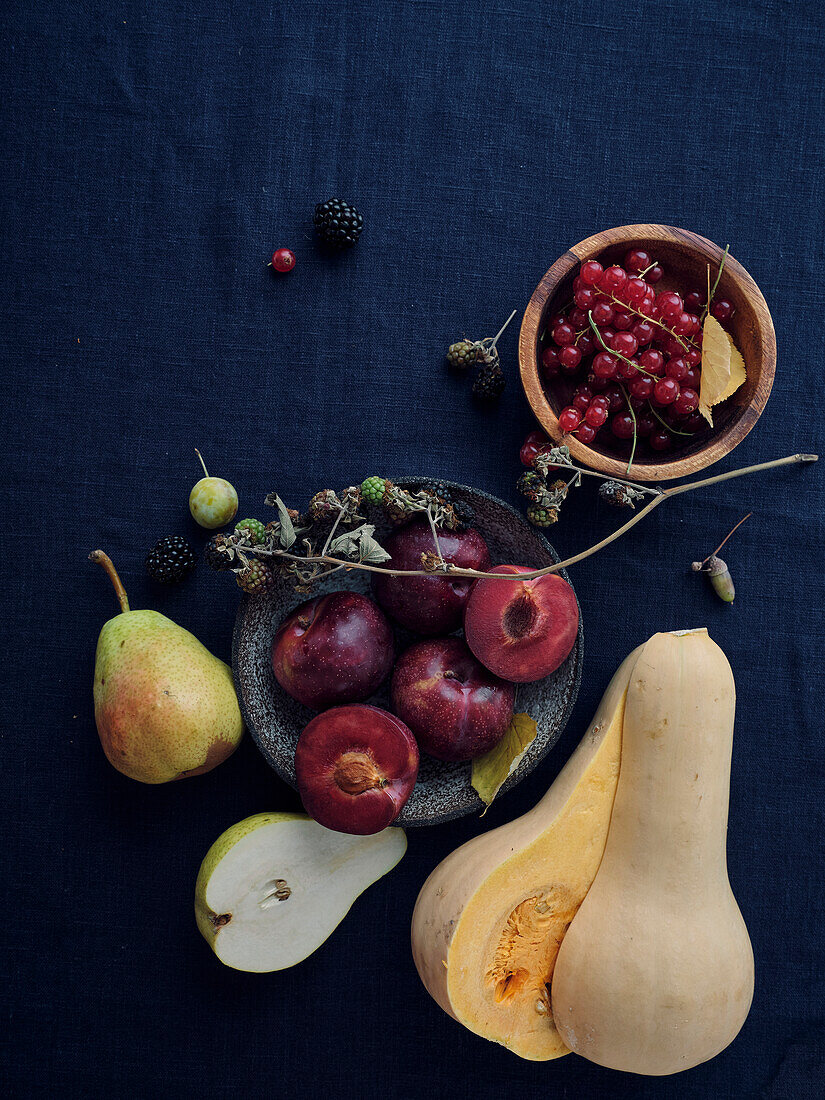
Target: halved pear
273,887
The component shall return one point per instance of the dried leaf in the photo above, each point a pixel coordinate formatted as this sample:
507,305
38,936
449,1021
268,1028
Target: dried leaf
287,532
371,551
492,770
723,368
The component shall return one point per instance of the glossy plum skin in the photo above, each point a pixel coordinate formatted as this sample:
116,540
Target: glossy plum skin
521,630
454,706
428,605
356,767
333,649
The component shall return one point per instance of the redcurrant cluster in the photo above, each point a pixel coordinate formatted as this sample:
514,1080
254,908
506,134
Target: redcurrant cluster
637,352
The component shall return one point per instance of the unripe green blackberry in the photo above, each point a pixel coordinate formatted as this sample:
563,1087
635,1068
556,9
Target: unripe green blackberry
252,531
542,517
256,579
462,354
372,489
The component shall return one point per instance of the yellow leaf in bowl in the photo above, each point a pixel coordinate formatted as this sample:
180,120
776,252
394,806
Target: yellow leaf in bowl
491,770
723,368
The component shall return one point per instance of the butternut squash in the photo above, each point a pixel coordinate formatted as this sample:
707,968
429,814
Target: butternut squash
489,920
655,974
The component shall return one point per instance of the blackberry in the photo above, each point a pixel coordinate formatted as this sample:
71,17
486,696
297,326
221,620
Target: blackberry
440,489
251,531
213,557
372,489
489,383
531,485
256,578
170,560
337,223
462,354
464,513
542,517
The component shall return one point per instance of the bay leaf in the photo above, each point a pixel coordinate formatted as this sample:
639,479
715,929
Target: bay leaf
723,368
490,771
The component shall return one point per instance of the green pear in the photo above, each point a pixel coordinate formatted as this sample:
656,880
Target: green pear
165,707
273,887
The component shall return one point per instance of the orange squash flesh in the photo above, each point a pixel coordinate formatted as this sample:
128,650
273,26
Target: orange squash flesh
490,918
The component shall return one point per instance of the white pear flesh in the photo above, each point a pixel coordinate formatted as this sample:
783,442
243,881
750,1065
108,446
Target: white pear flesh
274,887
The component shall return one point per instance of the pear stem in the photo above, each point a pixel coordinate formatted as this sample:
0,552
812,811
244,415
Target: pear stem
108,565
200,456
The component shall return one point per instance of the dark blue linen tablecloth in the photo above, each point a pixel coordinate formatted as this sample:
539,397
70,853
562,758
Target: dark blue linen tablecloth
154,155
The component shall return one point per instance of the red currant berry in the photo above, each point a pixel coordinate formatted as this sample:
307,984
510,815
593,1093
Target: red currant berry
655,274
595,383
694,423
642,388
557,319
693,302
669,305
585,298
635,290
659,440
283,260
569,418
596,415
683,324
636,260
591,272
694,357
665,391
628,370
613,279
570,357
687,402
615,399
550,361
578,318
577,284
623,322
622,426
582,398
602,313
672,346
563,334
604,365
643,331
601,400
694,324
722,309
625,343
535,443
652,361
607,335
645,424
676,368
586,433
586,343
691,379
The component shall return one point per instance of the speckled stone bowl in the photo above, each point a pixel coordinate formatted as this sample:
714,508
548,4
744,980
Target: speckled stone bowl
443,790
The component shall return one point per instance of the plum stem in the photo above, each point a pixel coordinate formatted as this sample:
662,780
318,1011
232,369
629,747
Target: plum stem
107,563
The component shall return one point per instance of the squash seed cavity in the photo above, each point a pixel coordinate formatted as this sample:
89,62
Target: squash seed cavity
525,955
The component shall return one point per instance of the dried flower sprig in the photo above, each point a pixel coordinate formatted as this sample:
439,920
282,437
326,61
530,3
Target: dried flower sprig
358,549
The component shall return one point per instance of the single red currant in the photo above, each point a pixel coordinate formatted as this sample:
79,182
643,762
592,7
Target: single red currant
535,443
655,274
615,399
643,331
591,272
659,440
585,298
586,433
634,291
595,383
606,334
694,324
677,368
582,397
642,387
613,279
694,423
669,305
596,415
586,343
601,400
623,322
625,343
691,379
636,260
652,361
683,324
694,357
563,334
645,424
622,426
628,370
602,313
687,402
722,309
604,365
578,318
570,357
693,302
550,361
665,391
283,260
569,418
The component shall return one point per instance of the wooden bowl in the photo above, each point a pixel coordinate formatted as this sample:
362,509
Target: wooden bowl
685,257
443,790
